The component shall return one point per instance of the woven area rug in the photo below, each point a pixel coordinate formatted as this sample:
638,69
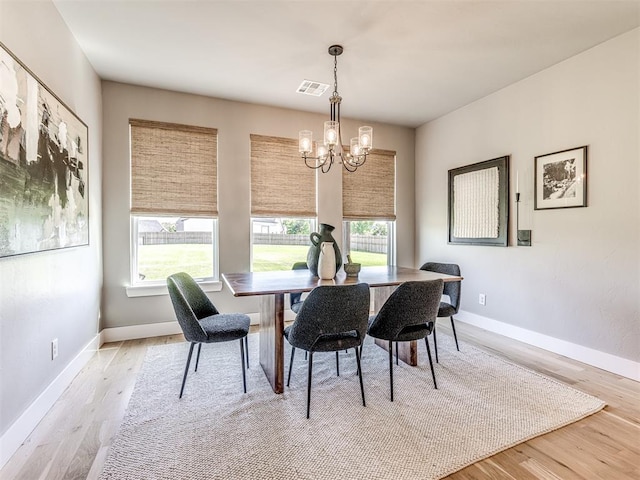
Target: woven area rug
483,405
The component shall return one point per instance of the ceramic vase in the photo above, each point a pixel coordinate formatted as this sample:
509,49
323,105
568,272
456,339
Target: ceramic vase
324,235
327,261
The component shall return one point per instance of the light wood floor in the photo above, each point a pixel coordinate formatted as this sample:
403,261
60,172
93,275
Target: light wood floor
73,439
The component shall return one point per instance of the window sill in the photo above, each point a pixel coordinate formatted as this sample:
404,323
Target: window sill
154,290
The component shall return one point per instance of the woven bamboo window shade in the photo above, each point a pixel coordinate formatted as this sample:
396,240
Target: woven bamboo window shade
173,169
370,192
281,184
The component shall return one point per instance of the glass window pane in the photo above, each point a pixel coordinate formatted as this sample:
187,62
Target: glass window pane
367,242
166,245
277,243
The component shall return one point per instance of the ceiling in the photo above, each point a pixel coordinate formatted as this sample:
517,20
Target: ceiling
404,62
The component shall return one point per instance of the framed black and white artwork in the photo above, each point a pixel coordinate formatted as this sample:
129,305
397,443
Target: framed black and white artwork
561,179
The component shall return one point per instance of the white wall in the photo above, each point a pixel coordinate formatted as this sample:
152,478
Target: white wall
580,281
53,294
235,122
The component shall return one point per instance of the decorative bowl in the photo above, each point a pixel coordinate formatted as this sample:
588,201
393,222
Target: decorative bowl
352,269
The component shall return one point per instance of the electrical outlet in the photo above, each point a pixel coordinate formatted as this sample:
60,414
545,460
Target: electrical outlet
54,348
482,299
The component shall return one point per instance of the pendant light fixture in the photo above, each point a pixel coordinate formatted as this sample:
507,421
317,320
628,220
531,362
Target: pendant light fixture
332,149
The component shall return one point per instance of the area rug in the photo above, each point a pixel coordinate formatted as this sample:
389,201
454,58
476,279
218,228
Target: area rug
483,405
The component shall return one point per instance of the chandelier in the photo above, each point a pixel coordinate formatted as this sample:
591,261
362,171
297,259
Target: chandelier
332,149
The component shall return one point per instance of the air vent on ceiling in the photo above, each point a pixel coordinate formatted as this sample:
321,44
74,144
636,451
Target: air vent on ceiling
309,87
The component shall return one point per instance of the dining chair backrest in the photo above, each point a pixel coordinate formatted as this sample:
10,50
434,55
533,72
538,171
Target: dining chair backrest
331,310
451,289
191,304
297,297
411,304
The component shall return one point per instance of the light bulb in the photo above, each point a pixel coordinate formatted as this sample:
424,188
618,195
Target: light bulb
331,129
305,141
365,134
355,148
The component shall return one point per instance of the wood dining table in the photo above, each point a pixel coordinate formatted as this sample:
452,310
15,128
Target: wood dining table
272,287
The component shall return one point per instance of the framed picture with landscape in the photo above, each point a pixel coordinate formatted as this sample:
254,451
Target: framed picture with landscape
561,179
43,165
479,203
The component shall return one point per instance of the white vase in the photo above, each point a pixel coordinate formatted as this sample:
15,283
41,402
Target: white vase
327,261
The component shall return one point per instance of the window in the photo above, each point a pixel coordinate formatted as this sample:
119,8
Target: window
166,245
369,243
174,204
369,210
283,204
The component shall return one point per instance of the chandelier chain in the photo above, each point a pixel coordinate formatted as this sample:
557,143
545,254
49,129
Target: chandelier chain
335,75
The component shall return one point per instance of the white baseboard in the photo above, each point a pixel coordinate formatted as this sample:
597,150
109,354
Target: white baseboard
25,424
119,334
605,361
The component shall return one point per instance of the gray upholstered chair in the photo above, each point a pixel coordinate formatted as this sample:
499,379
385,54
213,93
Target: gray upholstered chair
296,302
332,318
202,323
452,290
296,298
408,314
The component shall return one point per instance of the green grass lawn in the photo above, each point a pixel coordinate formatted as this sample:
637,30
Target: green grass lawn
282,257
277,257
157,262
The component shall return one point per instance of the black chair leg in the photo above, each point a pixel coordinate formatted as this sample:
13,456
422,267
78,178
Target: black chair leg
435,341
293,352
244,375
455,337
360,375
186,368
309,383
198,357
306,355
337,365
433,373
391,368
246,350
397,355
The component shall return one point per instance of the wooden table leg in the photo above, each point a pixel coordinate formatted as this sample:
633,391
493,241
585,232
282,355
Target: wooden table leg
407,351
271,339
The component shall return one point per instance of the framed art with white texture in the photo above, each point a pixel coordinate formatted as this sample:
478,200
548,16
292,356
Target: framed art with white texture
478,203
